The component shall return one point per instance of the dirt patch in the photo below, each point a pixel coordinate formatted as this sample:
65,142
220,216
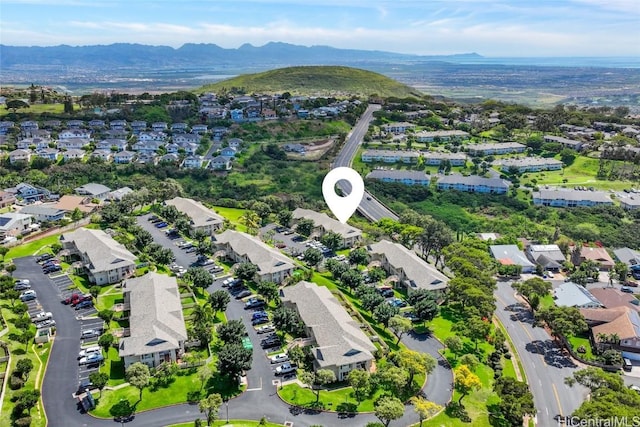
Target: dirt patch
314,150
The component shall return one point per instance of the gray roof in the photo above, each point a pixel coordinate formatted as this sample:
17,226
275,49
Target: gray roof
199,214
440,133
92,189
268,259
510,254
156,322
455,178
41,210
327,223
339,339
398,174
628,256
530,161
570,294
572,195
494,146
441,155
550,251
420,273
392,153
103,251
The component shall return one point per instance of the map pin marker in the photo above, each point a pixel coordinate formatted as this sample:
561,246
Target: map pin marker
343,206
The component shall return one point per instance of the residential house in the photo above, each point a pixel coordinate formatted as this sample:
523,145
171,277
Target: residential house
119,193
104,260
69,203
302,113
237,115
630,202
269,114
72,144
172,148
531,164
295,148
241,247
6,199
29,193
43,213
218,132
6,126
436,158
570,294
152,137
179,127
146,146
228,152
339,344
97,124
16,156
14,224
549,257
38,143
119,125
323,223
390,156
186,138
190,148
614,298
138,126
235,143
201,218
512,255
170,158
104,155
147,158
220,163
473,184
157,330
410,271
28,128
406,177
441,135
115,134
622,322
628,256
75,134
123,157
48,153
53,124
598,255
565,142
194,162
486,149
568,198
75,124
159,126
73,155
199,129
112,144
398,127
93,190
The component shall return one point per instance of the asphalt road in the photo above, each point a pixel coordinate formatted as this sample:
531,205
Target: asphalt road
369,206
545,365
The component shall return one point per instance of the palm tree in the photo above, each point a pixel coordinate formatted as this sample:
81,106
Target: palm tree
201,315
252,221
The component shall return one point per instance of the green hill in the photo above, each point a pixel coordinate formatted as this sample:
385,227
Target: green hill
316,80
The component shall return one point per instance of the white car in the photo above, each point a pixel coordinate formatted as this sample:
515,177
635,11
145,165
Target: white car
95,349
90,333
42,316
279,358
286,368
92,358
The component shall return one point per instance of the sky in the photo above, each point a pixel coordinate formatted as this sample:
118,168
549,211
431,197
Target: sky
492,28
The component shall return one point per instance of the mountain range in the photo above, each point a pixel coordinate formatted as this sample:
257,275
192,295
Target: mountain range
191,55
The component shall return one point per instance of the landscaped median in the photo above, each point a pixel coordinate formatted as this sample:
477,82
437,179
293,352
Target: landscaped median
232,423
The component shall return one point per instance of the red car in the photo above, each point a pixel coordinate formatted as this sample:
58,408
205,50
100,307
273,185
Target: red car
81,299
72,299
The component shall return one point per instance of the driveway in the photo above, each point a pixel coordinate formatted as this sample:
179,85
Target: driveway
159,236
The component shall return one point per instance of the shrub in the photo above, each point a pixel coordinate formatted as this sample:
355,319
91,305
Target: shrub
193,396
22,422
15,382
457,410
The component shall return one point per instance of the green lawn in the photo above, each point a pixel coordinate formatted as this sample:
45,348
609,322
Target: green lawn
31,248
334,400
576,342
114,367
232,423
35,109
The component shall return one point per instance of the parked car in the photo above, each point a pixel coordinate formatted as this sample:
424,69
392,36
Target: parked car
397,302
266,329
626,289
89,350
386,292
631,284
259,315
411,316
22,282
260,321
44,257
191,249
43,315
254,303
50,263
51,269
286,368
279,358
45,324
71,299
92,358
270,343
80,299
243,294
84,304
28,295
280,245
90,333
22,287
162,225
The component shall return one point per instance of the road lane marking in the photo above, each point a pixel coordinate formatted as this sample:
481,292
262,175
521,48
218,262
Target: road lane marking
526,331
555,392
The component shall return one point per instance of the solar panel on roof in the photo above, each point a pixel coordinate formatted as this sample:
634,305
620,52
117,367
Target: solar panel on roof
4,221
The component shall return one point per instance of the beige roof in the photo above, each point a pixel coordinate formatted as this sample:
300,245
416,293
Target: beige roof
156,320
69,203
612,298
599,255
327,223
268,259
196,211
103,251
625,326
422,274
339,339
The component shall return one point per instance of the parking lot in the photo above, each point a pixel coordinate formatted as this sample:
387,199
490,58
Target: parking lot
183,258
294,244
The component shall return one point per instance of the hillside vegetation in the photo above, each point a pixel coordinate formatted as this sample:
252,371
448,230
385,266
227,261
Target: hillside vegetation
316,80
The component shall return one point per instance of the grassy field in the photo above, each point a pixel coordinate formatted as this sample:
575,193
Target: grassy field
35,109
332,400
31,248
316,80
576,342
232,423
233,215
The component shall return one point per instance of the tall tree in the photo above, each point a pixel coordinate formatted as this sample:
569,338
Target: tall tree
414,362
516,400
305,227
384,312
252,221
138,375
454,344
424,408
233,359
358,256
400,325
466,381
198,277
210,406
284,218
332,240
218,301
359,380
99,380
246,271
312,257
232,332
563,321
473,328
388,408
315,380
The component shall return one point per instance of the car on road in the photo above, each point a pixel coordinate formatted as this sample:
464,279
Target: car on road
279,358
286,368
626,289
22,282
254,303
260,321
28,295
43,315
243,294
266,329
90,333
368,197
92,358
84,304
45,324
